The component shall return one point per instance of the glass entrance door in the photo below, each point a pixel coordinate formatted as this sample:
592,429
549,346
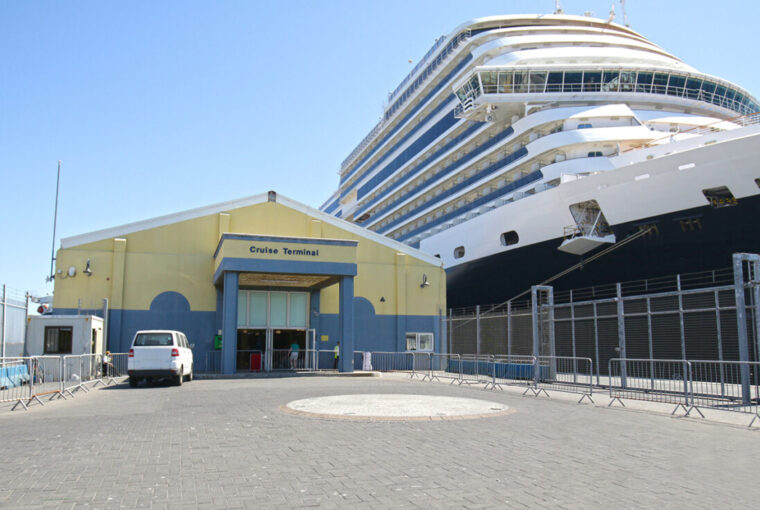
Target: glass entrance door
252,349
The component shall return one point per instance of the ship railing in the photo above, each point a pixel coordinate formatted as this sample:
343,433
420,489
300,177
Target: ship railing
751,119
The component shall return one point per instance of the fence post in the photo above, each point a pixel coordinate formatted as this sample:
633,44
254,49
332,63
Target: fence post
741,323
536,333
596,348
572,332
720,343
509,328
451,330
5,314
651,343
477,330
63,374
686,367
755,282
621,335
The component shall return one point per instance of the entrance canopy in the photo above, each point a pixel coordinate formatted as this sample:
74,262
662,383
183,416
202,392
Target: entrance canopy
273,262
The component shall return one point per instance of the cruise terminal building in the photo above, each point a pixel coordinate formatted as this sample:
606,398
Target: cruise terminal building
246,279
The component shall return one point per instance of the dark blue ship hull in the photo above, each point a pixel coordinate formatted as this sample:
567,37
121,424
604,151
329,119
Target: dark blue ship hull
699,239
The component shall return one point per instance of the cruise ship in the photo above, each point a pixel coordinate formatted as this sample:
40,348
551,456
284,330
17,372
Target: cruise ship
526,149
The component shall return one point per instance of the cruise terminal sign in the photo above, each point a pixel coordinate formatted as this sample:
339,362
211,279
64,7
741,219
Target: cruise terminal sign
243,246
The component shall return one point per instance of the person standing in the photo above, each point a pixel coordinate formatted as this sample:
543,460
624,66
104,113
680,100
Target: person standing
293,351
337,355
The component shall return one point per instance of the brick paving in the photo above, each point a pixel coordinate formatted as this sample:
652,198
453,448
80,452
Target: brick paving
226,444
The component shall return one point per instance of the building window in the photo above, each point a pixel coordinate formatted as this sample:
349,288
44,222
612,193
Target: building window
58,339
419,342
459,252
509,238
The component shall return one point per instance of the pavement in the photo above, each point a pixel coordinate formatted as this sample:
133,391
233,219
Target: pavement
228,444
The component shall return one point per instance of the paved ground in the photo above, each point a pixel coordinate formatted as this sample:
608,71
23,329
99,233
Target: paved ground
227,444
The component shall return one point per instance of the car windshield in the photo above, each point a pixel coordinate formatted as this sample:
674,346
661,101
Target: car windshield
153,339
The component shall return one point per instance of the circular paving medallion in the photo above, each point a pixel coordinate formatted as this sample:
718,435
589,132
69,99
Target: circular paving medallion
395,407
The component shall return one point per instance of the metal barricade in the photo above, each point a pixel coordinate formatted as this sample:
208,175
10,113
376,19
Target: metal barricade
421,365
383,361
445,366
726,385
476,369
15,379
45,379
514,370
567,374
665,381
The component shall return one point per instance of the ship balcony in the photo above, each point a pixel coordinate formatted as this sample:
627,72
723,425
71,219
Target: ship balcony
579,242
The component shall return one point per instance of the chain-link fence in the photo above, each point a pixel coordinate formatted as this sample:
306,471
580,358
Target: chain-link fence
690,316
13,313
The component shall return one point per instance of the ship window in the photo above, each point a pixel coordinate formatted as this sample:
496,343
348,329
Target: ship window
720,91
509,238
537,81
644,83
584,126
660,83
488,80
505,83
675,86
554,82
610,81
592,81
520,82
707,91
627,79
437,255
595,154
573,82
757,181
720,197
692,88
459,252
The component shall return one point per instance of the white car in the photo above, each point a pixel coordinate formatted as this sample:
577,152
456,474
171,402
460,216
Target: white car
159,354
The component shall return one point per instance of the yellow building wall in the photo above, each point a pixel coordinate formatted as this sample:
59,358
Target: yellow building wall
132,270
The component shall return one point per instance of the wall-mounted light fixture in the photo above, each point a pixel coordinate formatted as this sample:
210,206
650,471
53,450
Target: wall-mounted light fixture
425,282
87,269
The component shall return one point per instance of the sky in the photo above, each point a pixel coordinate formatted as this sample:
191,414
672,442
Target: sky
155,107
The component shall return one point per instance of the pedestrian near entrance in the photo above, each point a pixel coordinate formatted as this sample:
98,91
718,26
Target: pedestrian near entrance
337,355
107,365
293,355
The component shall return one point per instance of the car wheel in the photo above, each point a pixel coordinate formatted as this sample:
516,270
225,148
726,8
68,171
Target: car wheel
133,382
179,377
190,375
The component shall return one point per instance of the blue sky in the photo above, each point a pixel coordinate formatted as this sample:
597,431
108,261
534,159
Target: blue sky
158,107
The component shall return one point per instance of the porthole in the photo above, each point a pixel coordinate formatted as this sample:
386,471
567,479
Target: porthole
459,252
509,238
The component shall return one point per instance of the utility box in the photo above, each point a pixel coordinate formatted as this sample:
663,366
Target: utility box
58,335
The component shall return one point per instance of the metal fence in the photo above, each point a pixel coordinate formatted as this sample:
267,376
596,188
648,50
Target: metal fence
711,316
29,379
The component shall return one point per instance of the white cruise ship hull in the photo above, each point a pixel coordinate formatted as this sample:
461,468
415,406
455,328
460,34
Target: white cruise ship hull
660,188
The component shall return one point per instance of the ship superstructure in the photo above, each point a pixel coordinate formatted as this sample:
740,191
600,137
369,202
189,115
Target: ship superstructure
521,144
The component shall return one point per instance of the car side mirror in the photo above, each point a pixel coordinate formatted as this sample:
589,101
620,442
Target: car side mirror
192,346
